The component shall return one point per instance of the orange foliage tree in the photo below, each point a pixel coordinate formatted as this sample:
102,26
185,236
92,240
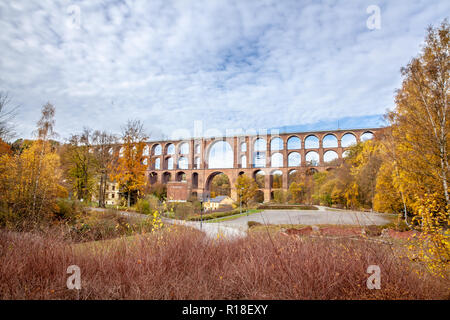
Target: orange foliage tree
130,163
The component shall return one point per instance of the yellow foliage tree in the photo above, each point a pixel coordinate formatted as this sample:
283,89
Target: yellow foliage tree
433,247
421,120
29,182
296,191
19,175
387,198
246,189
420,134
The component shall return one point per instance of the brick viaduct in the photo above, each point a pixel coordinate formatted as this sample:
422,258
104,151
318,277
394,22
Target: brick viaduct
187,160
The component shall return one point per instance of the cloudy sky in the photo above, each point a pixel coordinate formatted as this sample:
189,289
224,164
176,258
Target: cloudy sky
229,64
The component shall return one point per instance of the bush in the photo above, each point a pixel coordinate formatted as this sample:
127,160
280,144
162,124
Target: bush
197,205
182,210
101,225
400,226
280,196
68,209
148,205
253,224
143,206
159,190
7,218
373,230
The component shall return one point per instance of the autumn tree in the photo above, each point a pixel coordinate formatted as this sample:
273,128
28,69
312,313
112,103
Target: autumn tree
301,186
352,183
246,189
390,194
45,131
420,133
157,189
365,165
296,192
387,197
421,119
277,180
220,186
129,167
103,150
20,145
79,160
30,180
322,186
7,114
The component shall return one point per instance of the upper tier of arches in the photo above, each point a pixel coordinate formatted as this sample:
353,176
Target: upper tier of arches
276,151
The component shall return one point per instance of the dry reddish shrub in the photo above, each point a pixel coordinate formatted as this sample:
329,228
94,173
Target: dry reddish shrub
183,264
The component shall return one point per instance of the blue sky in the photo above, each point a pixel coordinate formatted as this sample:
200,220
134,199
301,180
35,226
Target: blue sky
230,64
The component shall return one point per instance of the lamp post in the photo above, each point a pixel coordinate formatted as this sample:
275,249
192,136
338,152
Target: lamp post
240,200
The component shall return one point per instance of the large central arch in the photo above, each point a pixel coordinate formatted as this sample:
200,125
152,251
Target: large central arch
220,155
210,179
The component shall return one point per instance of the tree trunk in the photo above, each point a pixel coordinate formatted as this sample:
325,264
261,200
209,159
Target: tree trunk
444,181
36,184
100,192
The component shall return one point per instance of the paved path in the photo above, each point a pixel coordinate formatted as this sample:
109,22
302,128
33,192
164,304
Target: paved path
232,229
310,217
212,230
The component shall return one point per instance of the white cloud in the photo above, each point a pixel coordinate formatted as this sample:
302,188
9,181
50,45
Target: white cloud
232,64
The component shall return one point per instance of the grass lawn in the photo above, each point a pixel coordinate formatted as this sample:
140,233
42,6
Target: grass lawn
235,216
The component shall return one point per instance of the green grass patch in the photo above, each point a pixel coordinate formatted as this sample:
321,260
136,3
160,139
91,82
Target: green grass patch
287,207
235,216
214,215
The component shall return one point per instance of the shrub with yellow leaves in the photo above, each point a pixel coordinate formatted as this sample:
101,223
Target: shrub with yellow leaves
432,246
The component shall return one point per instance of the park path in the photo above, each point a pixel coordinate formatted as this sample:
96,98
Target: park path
212,230
322,216
237,228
